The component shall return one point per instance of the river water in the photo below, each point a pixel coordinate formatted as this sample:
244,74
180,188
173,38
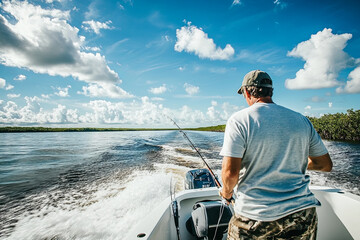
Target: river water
97,185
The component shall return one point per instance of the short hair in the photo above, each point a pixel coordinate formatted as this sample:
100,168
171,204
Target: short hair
259,92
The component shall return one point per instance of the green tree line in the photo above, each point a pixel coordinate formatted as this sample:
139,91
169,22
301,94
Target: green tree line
339,126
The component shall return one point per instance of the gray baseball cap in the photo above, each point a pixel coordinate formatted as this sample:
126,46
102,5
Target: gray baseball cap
256,78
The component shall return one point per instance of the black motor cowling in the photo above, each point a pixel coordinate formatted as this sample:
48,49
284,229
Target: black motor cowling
199,178
209,220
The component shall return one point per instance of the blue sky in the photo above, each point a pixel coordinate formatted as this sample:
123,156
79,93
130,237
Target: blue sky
128,63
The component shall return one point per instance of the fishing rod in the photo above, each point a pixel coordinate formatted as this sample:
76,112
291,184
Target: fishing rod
175,210
193,146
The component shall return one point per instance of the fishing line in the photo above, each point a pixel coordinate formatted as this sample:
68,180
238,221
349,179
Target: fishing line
218,184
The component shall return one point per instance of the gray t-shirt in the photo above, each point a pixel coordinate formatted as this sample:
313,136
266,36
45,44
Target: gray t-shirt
274,143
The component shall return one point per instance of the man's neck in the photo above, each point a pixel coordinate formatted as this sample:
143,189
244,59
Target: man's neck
261,100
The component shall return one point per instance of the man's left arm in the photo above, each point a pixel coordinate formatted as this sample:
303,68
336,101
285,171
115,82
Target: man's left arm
229,175
321,163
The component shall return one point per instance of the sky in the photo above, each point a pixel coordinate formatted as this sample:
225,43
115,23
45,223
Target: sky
132,63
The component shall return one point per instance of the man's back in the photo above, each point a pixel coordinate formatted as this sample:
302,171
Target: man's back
274,143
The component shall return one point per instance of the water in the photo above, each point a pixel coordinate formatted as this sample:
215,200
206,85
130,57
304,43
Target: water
96,185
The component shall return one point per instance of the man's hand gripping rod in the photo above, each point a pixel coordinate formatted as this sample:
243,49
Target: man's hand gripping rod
218,184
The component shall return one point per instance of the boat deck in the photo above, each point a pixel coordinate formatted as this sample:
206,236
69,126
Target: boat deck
338,215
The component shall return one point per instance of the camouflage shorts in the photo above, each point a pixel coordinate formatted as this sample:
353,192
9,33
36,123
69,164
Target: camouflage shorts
299,225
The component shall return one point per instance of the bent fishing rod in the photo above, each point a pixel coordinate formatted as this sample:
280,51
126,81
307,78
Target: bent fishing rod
218,184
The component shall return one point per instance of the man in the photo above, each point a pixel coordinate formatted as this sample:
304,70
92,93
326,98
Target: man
272,146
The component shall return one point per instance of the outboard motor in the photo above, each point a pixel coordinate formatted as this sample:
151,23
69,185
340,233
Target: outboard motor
209,220
199,178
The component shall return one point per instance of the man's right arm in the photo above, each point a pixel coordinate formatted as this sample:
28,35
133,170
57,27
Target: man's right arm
322,163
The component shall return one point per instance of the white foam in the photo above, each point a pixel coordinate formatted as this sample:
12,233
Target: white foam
108,214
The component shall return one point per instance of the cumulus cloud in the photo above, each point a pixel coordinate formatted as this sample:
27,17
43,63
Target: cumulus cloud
133,113
330,104
307,107
218,113
324,59
158,90
194,40
20,77
63,92
96,26
9,87
2,83
190,89
43,41
353,84
104,90
33,113
12,95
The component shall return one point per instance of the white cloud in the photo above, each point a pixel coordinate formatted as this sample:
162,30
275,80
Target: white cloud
104,90
2,83
194,40
93,49
353,84
221,113
92,10
43,41
11,95
308,107
158,90
133,113
63,92
236,2
9,87
324,59
20,77
96,26
190,89
330,104
33,113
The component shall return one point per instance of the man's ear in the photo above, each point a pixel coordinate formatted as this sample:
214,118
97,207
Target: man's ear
246,93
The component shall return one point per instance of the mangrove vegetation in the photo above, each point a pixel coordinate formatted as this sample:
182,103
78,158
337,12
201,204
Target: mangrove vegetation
339,126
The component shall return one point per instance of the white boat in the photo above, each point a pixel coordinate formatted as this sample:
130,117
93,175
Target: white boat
339,215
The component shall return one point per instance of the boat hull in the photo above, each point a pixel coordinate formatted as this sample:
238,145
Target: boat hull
338,215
